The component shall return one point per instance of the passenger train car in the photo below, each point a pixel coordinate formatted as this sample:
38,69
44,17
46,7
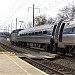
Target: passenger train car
64,37
38,36
53,38
4,34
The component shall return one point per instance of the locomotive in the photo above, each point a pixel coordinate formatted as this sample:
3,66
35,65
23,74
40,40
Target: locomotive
52,38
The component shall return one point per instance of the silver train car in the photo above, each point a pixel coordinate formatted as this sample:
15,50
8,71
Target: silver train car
64,37
13,36
4,35
52,38
37,36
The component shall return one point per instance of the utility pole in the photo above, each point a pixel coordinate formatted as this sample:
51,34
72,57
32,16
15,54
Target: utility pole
33,15
33,12
11,27
8,28
16,23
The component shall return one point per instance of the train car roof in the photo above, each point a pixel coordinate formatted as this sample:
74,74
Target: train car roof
38,28
14,31
4,32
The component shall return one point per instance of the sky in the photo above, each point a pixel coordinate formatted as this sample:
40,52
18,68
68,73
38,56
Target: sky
12,9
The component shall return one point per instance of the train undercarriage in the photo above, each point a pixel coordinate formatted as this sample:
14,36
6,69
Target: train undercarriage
52,48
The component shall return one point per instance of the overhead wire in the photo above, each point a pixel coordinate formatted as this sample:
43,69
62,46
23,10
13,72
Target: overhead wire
42,3
12,8
16,10
38,6
50,5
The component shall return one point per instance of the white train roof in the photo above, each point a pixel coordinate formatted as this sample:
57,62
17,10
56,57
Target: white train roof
37,28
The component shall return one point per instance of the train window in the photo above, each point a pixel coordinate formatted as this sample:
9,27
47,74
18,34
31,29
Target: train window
20,35
49,32
73,29
67,24
44,32
4,33
29,33
40,32
32,33
36,33
24,34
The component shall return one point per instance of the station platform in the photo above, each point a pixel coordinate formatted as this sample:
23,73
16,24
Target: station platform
10,64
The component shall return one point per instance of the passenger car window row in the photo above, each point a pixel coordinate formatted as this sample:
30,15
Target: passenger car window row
34,33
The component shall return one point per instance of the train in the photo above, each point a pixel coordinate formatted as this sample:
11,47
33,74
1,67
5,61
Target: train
55,38
4,35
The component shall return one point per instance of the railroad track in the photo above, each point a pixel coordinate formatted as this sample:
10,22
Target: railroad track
50,67
9,48
44,64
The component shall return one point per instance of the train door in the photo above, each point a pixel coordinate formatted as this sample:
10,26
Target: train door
54,40
60,44
53,32
61,32
57,31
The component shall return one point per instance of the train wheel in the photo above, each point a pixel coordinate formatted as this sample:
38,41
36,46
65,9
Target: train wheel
52,45
54,48
64,52
47,47
73,53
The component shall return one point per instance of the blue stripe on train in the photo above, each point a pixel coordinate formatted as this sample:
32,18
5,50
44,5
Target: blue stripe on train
68,31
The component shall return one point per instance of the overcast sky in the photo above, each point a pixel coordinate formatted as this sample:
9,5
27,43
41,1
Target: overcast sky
12,9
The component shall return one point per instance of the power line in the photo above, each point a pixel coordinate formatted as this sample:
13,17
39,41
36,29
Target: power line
37,6
33,12
17,10
12,8
42,3
52,5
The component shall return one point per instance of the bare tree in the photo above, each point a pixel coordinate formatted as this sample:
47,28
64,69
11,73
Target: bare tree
40,20
50,20
29,24
67,12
